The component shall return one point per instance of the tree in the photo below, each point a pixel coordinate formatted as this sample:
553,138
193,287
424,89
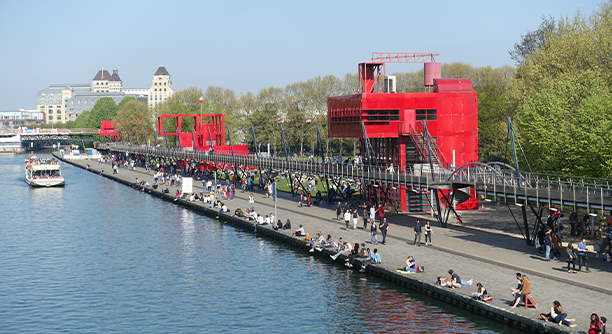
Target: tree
566,128
83,120
562,96
533,41
134,117
104,110
126,100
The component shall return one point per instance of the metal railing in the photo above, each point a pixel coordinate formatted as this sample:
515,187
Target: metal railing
543,189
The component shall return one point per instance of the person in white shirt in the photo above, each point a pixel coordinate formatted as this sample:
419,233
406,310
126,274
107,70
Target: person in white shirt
347,218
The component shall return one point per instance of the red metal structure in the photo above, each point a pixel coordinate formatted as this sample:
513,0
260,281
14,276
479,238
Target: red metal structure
394,125
208,132
107,129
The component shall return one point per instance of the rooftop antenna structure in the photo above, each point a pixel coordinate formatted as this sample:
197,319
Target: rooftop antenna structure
373,75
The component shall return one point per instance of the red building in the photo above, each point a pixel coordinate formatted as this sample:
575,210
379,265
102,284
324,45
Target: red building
394,125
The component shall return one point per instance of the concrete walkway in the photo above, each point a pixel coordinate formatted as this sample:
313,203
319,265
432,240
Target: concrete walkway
490,253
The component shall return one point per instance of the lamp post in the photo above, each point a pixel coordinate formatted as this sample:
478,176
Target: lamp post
201,103
302,137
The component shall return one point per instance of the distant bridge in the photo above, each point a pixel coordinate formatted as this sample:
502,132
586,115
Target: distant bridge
33,138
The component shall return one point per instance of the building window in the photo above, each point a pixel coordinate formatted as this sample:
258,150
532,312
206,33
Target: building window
382,115
164,89
155,83
426,114
164,83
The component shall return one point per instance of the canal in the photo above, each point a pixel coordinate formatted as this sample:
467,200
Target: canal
97,256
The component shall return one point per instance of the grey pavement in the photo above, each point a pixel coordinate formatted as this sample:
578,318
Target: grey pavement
490,252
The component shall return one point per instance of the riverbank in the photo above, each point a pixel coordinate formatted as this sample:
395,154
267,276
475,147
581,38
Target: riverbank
485,257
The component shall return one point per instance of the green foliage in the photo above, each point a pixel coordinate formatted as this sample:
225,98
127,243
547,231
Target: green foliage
83,120
563,98
135,117
104,110
126,100
567,126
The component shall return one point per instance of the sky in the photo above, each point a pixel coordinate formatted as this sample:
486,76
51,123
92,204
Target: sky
248,45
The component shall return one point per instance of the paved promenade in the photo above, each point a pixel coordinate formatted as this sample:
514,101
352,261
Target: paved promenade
486,250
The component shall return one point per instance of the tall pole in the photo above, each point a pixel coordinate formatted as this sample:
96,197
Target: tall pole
287,159
255,142
516,167
145,136
323,164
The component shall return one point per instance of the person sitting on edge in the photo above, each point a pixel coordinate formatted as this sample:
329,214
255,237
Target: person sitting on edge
373,258
604,327
238,213
317,242
363,251
456,281
525,290
299,232
481,292
329,242
278,226
345,249
354,254
287,225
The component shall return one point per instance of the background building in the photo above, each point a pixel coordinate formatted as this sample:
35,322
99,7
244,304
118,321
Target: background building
61,103
13,119
161,89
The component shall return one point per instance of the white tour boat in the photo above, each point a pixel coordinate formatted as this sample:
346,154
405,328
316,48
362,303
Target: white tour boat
44,175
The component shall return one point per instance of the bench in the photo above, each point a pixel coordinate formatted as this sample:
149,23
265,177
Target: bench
529,301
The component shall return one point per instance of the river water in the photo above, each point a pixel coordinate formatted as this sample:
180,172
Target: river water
99,257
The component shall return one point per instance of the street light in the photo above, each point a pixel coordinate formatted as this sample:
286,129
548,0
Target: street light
302,137
201,103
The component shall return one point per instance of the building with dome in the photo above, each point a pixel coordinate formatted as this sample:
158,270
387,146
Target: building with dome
61,103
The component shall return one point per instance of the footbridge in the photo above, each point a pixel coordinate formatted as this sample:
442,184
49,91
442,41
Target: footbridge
37,138
496,182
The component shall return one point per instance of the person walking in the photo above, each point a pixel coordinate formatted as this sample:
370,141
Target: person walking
383,229
428,234
547,243
365,218
381,212
347,218
338,211
583,256
301,199
372,213
374,233
355,219
571,258
252,202
417,232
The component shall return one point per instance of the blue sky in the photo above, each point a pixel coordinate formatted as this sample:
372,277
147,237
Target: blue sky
247,45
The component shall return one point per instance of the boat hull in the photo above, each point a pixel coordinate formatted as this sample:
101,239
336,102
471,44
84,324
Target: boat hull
46,182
